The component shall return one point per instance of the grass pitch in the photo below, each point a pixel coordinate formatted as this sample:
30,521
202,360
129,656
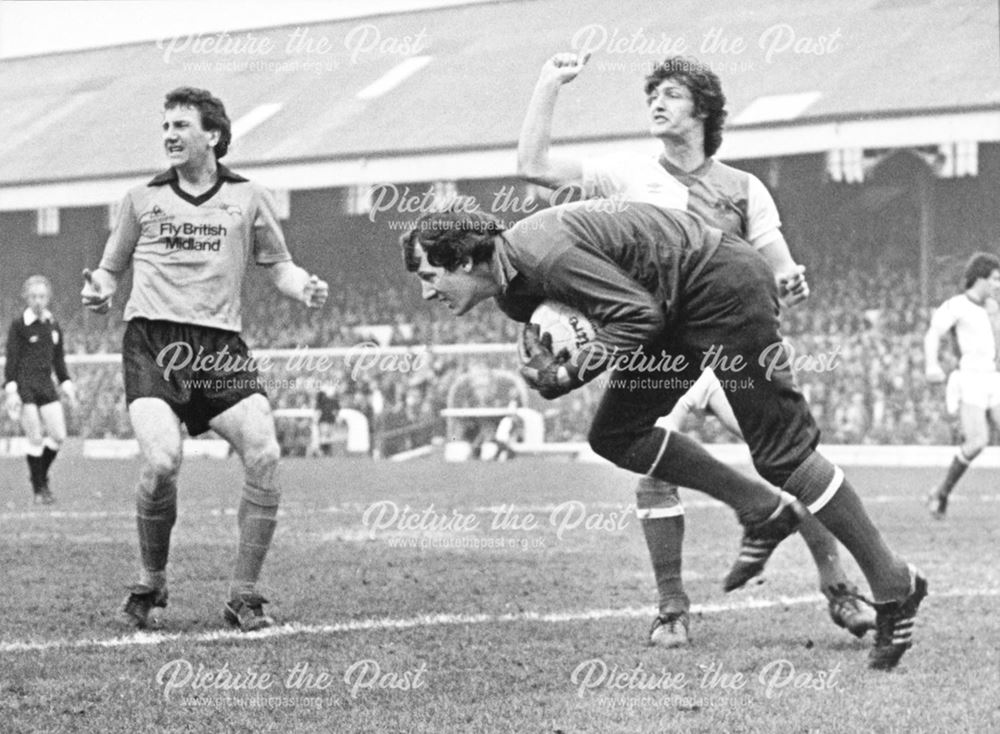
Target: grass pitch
432,597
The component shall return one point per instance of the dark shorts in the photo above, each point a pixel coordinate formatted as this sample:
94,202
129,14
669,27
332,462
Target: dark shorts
37,392
198,371
729,312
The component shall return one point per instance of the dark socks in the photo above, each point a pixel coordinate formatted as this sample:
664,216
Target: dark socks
665,540
958,466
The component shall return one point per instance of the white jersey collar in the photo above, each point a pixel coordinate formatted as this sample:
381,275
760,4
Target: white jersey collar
30,317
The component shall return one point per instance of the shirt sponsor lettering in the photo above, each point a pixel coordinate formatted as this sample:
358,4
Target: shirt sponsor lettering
188,236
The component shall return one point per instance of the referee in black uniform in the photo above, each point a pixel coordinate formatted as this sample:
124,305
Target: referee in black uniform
34,351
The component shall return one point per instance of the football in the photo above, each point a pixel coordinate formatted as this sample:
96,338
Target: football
569,329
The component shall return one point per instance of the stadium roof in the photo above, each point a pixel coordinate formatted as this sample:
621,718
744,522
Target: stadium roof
440,93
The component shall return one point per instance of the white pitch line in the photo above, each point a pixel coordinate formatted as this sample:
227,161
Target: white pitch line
428,620
693,504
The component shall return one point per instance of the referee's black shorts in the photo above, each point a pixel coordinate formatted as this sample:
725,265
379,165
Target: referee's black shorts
37,391
198,371
729,311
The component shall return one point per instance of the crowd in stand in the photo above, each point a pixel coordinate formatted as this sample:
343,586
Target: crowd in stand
860,336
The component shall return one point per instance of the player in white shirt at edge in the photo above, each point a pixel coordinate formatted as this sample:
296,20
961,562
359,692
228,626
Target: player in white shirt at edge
974,388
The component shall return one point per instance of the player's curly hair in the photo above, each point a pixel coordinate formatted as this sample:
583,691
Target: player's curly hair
706,92
980,265
35,280
450,238
212,111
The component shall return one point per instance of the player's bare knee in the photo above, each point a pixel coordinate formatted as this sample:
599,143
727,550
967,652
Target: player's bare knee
263,459
162,465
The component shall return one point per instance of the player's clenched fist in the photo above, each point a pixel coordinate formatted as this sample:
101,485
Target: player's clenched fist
563,67
316,292
793,287
69,390
12,402
98,288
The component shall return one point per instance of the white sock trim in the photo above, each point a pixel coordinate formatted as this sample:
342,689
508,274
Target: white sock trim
659,454
654,513
153,579
831,489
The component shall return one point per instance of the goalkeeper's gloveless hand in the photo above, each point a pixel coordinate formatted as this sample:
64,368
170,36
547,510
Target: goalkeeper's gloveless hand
543,371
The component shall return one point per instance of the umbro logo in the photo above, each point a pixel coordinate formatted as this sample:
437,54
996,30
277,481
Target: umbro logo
33,338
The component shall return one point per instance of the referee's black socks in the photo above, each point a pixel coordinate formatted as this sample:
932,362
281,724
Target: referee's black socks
47,457
38,468
37,472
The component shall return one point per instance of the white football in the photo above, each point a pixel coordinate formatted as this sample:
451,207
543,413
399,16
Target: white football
570,329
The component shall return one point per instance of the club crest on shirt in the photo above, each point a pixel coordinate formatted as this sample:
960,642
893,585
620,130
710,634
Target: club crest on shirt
33,338
156,214
231,209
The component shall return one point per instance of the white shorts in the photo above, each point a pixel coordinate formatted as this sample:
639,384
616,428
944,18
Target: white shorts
975,388
696,398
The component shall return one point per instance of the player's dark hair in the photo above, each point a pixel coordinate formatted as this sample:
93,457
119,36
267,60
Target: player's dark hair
451,237
980,265
705,89
212,111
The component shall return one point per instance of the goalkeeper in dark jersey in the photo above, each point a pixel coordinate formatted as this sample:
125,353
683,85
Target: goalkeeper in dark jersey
35,350
656,282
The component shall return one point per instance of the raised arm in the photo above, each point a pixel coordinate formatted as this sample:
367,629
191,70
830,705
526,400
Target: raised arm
533,160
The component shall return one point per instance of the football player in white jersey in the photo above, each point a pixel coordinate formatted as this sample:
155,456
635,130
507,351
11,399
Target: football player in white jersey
976,383
686,110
